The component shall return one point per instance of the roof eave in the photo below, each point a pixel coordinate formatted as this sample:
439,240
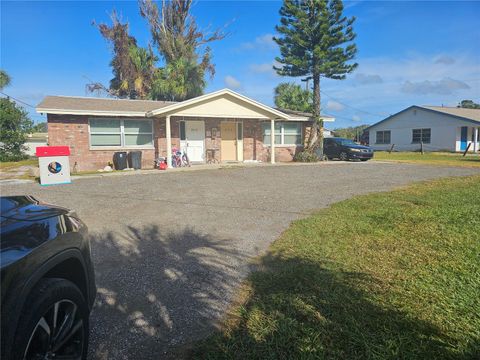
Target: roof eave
90,112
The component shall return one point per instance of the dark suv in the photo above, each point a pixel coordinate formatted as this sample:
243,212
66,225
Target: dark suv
346,149
47,281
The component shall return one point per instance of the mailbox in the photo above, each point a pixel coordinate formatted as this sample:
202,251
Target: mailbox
54,164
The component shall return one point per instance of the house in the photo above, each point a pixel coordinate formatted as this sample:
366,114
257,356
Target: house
436,128
223,125
34,140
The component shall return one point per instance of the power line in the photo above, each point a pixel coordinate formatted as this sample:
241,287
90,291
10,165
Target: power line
351,107
20,101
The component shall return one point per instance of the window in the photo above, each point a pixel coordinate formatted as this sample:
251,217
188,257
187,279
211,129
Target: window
383,137
285,133
121,133
105,132
421,135
183,134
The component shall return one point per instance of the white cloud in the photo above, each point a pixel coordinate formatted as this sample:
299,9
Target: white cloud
263,42
445,59
232,83
445,86
366,79
334,106
261,68
356,118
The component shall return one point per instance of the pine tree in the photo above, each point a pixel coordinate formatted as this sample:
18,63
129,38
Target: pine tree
315,40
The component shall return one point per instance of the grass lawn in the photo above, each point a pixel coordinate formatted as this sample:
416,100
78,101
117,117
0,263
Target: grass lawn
384,276
434,158
10,165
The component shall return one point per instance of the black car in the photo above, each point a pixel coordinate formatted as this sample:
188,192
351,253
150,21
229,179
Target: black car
47,281
346,149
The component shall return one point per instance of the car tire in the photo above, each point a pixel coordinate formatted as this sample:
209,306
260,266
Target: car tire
343,156
53,323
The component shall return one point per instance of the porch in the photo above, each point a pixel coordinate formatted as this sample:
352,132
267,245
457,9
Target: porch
468,137
228,140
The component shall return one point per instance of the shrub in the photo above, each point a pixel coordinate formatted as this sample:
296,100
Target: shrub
305,156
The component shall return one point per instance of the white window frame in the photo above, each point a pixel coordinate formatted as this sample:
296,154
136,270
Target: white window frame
122,135
422,131
282,134
383,142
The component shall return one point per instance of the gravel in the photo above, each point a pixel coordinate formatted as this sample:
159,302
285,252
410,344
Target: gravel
170,248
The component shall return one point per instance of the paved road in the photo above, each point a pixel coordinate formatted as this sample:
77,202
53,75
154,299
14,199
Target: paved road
170,248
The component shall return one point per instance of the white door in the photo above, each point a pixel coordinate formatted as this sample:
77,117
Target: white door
195,140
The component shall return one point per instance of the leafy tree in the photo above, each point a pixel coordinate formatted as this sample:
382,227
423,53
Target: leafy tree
133,66
468,104
178,39
293,97
14,127
353,132
40,127
315,40
4,79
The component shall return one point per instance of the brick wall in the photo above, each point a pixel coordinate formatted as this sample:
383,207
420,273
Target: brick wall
72,130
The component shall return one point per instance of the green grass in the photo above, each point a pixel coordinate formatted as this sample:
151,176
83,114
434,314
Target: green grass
384,276
10,165
434,158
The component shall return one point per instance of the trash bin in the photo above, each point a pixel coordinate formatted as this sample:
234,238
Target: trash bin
120,160
135,159
54,164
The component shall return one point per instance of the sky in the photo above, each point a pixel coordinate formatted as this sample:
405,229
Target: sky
409,53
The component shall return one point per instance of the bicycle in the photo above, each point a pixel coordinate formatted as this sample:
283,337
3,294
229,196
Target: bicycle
180,159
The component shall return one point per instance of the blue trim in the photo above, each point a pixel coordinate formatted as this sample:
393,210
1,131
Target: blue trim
422,108
63,183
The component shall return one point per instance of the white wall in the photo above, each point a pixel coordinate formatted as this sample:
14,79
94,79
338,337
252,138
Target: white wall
32,146
445,131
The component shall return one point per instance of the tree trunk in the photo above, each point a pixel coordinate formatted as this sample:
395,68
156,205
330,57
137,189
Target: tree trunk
315,140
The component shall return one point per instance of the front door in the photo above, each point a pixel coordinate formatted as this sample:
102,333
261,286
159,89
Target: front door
228,132
195,140
463,138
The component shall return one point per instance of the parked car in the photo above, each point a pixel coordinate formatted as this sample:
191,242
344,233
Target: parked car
47,281
346,149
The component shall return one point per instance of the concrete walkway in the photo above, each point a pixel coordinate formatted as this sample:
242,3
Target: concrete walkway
170,248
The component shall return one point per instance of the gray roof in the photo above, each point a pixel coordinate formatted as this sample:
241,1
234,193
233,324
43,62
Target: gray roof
76,103
471,114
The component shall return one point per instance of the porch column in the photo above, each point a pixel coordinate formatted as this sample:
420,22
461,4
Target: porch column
272,141
475,139
169,140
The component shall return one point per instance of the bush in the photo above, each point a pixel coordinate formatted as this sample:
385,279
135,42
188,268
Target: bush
7,157
14,127
305,156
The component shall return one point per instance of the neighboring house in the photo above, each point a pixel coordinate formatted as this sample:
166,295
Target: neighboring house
436,127
222,124
34,140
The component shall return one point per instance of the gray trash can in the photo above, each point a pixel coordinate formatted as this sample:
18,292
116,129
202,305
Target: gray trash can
135,160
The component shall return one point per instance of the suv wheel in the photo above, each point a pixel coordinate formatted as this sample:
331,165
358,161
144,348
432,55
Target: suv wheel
54,323
343,156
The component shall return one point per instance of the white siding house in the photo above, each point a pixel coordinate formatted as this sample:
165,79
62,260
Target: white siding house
438,128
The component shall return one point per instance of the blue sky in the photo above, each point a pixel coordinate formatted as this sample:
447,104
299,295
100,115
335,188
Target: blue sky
409,52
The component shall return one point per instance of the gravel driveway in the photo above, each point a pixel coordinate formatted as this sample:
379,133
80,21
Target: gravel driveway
170,248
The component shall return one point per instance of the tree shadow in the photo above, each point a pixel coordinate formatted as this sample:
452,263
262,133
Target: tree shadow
157,290
299,309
